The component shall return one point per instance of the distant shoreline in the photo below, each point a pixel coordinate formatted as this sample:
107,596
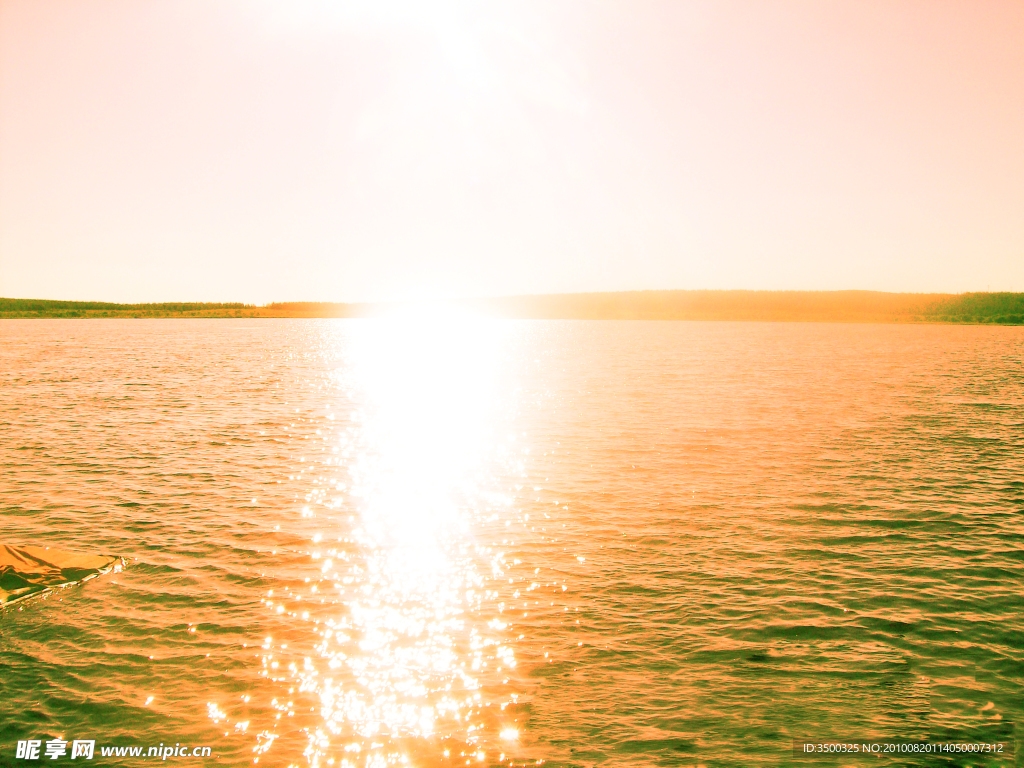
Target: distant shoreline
768,306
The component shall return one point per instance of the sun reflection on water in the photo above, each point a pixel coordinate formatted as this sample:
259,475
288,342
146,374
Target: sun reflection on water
411,663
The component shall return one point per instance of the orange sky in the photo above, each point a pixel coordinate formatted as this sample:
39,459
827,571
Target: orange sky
254,151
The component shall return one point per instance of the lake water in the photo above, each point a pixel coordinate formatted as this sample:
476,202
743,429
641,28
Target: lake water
442,541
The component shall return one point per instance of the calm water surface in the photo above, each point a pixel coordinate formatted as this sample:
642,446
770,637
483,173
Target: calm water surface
436,542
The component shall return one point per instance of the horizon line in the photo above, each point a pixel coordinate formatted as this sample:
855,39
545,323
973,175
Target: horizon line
498,297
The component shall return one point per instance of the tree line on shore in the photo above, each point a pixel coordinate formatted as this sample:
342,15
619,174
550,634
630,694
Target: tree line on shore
808,306
1003,307
52,308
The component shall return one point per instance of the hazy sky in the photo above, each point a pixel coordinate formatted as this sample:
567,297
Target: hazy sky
254,151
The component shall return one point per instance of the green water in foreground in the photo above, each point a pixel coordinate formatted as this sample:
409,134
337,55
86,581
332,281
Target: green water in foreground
433,543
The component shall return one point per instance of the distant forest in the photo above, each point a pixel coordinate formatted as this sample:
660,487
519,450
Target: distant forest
48,308
980,308
794,306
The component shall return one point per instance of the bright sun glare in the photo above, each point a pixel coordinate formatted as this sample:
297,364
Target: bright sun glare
393,659
426,374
